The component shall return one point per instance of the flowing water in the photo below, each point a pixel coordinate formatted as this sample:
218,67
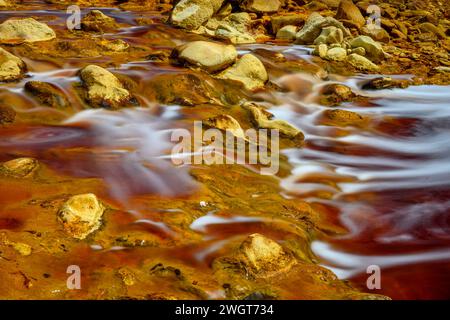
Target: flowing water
384,188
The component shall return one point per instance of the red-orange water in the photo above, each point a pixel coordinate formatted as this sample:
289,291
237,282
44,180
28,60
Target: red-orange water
392,194
390,190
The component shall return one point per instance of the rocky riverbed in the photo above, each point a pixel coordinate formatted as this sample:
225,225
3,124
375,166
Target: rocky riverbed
86,113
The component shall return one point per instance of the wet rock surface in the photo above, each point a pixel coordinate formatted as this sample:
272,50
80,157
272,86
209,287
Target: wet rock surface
103,89
235,65
81,215
19,168
248,70
11,67
25,30
208,56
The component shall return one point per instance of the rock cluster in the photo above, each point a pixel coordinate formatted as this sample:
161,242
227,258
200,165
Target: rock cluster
334,42
213,57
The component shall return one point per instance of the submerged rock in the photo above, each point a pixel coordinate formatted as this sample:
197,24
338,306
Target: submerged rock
191,14
47,93
264,254
226,123
7,115
257,256
11,67
362,63
187,89
20,247
263,119
25,30
249,70
19,168
117,45
209,56
385,83
103,88
343,118
81,215
97,21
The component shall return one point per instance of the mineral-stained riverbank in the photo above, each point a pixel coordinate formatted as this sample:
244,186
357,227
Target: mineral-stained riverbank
85,120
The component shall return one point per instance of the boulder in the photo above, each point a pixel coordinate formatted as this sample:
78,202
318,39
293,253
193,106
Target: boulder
374,50
19,168
191,14
287,33
103,89
347,10
249,70
330,35
264,6
25,30
313,28
209,56
11,67
362,63
81,215
336,54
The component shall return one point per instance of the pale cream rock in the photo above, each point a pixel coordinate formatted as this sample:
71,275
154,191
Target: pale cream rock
25,30
249,70
209,56
81,215
11,67
103,88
